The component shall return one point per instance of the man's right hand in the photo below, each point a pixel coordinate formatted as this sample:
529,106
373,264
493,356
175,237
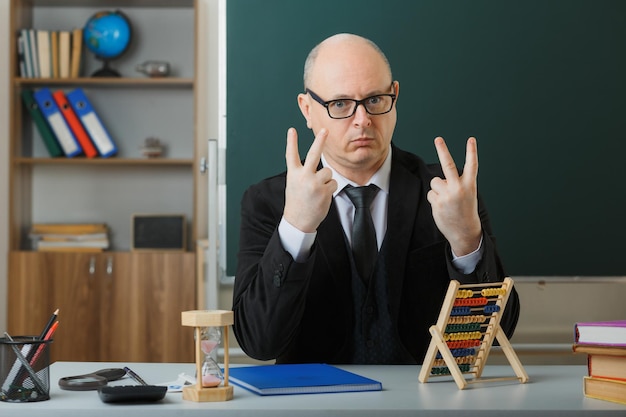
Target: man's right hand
309,192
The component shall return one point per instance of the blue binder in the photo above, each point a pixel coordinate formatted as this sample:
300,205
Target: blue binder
57,123
92,123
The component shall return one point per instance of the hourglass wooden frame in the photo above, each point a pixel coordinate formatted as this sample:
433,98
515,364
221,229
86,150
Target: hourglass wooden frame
200,319
468,323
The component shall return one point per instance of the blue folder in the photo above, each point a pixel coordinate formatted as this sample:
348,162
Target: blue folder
308,378
92,122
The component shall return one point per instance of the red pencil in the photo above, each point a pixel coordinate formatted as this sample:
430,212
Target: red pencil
42,346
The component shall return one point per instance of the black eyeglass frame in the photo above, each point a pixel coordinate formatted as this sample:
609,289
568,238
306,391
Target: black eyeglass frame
357,103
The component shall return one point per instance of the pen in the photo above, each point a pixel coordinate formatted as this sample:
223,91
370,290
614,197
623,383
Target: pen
134,376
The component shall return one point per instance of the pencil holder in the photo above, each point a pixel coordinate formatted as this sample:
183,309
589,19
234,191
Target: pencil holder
24,369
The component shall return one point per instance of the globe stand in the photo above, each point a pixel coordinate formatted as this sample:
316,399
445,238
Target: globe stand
106,70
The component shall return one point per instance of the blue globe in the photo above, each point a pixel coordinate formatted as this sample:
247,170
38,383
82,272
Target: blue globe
107,34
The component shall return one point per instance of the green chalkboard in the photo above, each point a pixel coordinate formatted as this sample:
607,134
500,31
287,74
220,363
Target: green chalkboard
541,84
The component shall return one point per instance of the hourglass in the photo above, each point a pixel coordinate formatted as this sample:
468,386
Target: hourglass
211,384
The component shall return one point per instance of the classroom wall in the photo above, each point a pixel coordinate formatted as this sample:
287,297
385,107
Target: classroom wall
4,158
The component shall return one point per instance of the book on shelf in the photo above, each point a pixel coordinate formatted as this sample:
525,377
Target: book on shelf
69,236
71,118
21,57
28,61
54,53
47,135
605,389
34,55
64,53
307,378
96,244
43,53
91,121
610,333
77,52
59,126
50,53
68,228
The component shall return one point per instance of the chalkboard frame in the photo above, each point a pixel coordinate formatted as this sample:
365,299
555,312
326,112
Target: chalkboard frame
540,84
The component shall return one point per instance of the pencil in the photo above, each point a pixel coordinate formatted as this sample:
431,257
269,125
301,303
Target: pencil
49,325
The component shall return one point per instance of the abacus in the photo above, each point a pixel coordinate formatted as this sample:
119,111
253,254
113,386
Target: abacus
468,322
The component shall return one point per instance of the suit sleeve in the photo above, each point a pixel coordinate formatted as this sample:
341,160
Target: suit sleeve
489,269
270,288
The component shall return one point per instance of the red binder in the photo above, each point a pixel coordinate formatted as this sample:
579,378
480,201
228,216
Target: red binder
77,127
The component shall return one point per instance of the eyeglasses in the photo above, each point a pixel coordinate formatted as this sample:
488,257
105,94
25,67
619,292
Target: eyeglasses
345,107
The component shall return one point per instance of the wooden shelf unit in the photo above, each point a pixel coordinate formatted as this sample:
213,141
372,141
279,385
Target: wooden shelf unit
109,190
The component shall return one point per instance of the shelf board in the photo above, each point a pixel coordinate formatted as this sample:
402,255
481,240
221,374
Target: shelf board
104,161
107,82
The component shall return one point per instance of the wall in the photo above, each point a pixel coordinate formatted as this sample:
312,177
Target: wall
4,158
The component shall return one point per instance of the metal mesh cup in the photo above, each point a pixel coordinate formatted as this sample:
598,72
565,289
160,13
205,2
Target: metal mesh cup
24,369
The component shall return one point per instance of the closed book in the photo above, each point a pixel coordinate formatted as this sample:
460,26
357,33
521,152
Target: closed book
599,350
51,244
65,43
20,56
53,237
91,121
47,135
75,124
607,366
605,389
68,228
308,378
57,123
28,60
77,52
54,53
610,333
34,54
43,50
70,249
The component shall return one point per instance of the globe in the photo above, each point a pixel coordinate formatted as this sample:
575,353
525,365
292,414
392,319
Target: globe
107,34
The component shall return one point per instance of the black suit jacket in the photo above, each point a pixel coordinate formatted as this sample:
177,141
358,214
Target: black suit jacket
302,312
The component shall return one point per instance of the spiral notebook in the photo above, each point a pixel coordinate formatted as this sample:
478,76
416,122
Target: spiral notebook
307,378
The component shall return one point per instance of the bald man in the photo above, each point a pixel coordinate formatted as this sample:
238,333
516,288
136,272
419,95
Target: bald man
303,292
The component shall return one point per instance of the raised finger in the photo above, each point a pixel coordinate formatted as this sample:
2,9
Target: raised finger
292,156
470,169
315,151
445,159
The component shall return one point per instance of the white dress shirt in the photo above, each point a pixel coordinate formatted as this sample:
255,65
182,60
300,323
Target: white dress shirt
298,243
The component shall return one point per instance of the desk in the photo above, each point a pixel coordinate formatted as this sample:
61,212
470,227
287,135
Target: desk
552,390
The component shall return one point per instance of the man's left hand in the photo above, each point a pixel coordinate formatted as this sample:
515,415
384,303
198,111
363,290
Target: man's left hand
454,199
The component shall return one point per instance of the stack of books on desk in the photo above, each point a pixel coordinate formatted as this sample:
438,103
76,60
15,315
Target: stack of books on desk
70,237
604,343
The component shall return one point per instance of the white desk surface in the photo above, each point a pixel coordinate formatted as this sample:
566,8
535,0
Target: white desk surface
552,390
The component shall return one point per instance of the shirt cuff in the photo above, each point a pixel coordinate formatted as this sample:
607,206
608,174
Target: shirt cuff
297,243
467,263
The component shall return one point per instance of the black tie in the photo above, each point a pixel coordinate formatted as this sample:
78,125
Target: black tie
364,246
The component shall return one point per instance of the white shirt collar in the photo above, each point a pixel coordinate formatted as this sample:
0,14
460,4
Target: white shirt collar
380,177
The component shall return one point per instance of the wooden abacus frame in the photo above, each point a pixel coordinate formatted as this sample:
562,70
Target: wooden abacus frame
494,296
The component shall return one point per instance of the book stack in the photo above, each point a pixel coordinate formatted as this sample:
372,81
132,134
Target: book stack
70,237
604,343
68,123
50,53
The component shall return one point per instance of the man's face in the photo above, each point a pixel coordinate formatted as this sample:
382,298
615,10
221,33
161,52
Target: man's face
351,70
